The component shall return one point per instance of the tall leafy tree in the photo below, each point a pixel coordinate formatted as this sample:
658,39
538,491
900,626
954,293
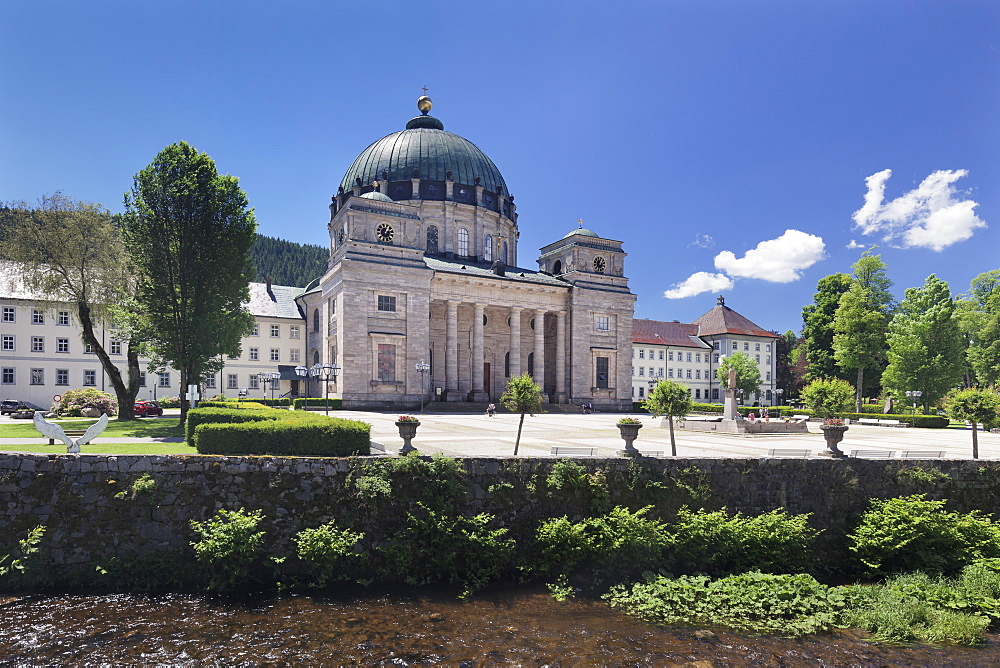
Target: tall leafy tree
786,351
523,396
817,327
670,399
189,232
975,405
980,322
926,347
862,319
747,373
71,251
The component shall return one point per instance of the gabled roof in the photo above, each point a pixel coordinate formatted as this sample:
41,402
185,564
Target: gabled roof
724,320
279,302
662,333
484,269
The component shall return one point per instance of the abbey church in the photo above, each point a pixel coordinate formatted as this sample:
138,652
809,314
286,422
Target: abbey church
424,267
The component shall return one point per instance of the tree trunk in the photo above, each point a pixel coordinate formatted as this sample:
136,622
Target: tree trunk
124,395
673,444
975,441
861,384
517,441
182,396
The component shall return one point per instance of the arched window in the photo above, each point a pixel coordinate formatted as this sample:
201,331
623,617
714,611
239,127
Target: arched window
315,357
432,239
531,364
506,258
316,320
488,248
557,267
506,365
463,242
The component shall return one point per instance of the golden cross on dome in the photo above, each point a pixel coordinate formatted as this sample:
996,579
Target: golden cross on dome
425,89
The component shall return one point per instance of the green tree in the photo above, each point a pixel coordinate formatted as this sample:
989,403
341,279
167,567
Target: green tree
975,405
828,396
817,327
523,396
786,351
71,251
980,323
747,373
671,399
862,319
926,349
189,233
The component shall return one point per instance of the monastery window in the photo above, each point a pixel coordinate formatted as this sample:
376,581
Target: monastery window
746,345
768,378
601,366
689,358
8,314
315,357
661,354
767,395
715,344
8,342
689,373
164,379
735,345
89,348
142,379
116,347
716,358
254,354
697,357
293,355
386,362
602,323
768,347
670,355
62,376
642,371
209,382
697,374
768,359
7,376
232,382
757,357
275,331
715,393
640,393
90,377
642,353
697,393
670,373
463,242
506,258
63,318
38,344
37,318
488,247
254,382
757,347
432,239
293,331
316,320
386,303
256,329
275,355
331,307
62,345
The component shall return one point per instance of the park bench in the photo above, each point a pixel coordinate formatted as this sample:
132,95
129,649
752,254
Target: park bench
571,451
869,421
651,453
72,433
788,452
921,454
872,454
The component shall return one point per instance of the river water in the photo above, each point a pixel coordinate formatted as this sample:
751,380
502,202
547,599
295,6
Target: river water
519,627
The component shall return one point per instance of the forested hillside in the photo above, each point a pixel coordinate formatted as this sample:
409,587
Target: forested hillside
287,263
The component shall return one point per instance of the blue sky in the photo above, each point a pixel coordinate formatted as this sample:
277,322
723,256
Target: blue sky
736,148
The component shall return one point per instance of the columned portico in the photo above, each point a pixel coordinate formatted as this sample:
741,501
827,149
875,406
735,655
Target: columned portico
476,392
515,341
560,397
451,356
539,351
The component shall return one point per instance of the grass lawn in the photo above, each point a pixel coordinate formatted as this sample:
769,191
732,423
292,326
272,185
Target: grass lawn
165,427
108,449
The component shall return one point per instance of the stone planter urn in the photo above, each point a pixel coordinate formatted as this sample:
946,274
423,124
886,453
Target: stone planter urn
407,430
834,434
629,432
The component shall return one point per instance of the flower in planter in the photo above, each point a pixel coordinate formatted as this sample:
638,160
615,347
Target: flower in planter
407,418
833,422
629,420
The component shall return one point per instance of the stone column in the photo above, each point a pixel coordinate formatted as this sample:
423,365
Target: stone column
540,348
476,392
451,353
515,341
560,397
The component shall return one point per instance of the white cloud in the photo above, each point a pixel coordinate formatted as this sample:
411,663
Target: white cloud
854,244
929,216
697,283
778,260
703,241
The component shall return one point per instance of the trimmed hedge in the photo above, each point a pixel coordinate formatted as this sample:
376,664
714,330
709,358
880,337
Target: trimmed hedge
226,415
322,437
922,421
300,404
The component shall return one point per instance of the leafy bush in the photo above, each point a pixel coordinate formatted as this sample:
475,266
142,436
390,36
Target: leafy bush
758,602
438,547
924,421
717,543
14,561
74,401
913,533
828,396
169,402
438,481
301,403
230,546
328,551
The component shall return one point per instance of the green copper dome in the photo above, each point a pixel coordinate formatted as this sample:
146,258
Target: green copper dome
377,196
582,231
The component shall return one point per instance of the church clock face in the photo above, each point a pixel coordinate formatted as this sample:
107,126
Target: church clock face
600,265
384,233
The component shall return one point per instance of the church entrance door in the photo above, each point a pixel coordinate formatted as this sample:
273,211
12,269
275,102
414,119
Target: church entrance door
486,379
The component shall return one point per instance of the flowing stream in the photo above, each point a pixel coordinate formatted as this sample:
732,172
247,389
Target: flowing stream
513,627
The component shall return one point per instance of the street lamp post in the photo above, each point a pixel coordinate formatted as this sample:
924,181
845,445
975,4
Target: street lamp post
422,368
653,382
303,372
275,379
778,393
264,377
914,395
325,373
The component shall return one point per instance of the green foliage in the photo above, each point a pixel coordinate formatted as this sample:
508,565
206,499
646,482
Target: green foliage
567,475
786,605
169,402
671,399
14,562
747,373
979,317
926,347
522,396
913,533
329,552
74,401
975,405
189,231
817,328
286,262
439,482
828,396
143,486
302,402
439,547
925,475
717,543
230,546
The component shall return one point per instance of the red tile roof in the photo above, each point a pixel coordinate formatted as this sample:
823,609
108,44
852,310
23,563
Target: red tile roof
664,333
724,320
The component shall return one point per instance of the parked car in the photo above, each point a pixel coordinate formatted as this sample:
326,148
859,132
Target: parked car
12,406
147,409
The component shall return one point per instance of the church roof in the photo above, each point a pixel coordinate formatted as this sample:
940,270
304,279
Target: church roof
485,270
658,332
724,320
278,302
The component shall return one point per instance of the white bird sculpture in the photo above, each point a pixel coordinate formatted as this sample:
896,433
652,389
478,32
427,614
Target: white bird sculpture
53,430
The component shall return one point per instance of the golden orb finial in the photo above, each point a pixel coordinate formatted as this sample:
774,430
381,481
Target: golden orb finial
424,104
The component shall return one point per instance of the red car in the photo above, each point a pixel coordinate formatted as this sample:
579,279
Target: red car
147,409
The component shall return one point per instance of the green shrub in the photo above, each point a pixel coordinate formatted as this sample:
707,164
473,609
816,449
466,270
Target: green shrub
328,551
230,546
785,605
169,402
226,415
924,421
72,402
438,547
301,403
717,543
438,481
13,563
325,437
913,533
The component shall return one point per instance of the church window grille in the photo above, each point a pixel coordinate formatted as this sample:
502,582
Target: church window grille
386,303
463,242
488,248
601,367
432,239
386,362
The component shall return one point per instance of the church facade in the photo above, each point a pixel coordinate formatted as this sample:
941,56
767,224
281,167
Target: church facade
424,270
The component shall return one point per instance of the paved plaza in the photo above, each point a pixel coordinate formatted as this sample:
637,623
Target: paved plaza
475,435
